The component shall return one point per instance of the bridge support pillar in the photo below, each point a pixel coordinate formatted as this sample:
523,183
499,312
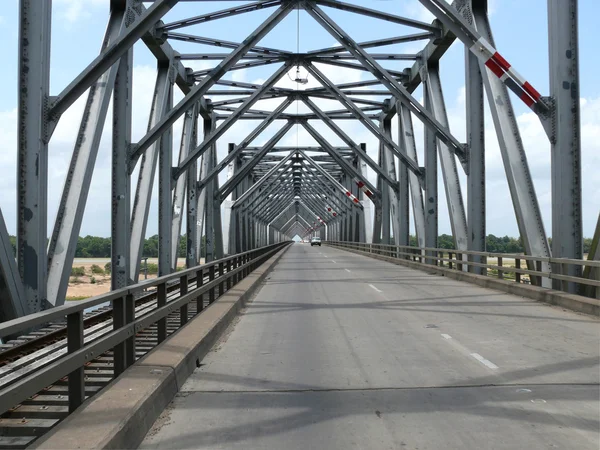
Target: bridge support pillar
476,143
567,230
32,158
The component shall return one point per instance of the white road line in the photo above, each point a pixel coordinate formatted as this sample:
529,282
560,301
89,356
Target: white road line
484,361
333,261
325,256
373,287
465,350
347,270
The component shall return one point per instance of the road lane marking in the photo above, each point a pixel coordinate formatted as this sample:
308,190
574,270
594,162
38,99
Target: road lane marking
484,361
466,351
373,287
333,261
347,270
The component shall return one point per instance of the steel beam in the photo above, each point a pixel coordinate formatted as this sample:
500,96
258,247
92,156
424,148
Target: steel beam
143,194
32,142
121,180
456,208
211,78
63,242
522,190
476,143
567,230
179,193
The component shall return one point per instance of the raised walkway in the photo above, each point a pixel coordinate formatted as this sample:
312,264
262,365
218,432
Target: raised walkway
341,351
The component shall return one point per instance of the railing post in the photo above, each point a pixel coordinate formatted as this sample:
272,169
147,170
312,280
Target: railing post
239,274
222,283
130,341
517,266
183,290
200,298
119,349
229,280
211,277
449,260
500,271
161,300
76,381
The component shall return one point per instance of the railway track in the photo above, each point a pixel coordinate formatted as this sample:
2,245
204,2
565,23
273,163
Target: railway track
21,425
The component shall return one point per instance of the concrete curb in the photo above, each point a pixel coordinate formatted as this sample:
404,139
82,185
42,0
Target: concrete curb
569,301
123,412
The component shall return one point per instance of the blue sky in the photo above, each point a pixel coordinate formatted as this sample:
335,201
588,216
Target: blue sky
520,30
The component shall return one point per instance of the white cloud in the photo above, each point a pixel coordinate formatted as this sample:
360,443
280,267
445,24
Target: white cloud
75,10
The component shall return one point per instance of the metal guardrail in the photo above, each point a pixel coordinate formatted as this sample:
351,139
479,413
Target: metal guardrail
469,260
222,275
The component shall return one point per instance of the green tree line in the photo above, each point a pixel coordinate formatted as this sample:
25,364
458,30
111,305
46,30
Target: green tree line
99,247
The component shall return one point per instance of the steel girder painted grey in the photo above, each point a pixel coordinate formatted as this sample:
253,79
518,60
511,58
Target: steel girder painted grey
141,205
476,143
566,145
407,135
63,242
239,148
399,92
32,159
346,167
527,210
193,236
265,178
360,116
187,136
219,131
110,56
201,88
244,170
456,208
121,180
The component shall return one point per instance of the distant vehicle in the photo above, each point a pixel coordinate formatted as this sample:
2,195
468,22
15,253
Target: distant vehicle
315,241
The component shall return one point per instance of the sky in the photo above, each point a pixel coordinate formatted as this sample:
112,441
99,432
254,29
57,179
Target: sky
78,27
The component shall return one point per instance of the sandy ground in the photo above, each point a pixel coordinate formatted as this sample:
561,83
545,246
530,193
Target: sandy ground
82,287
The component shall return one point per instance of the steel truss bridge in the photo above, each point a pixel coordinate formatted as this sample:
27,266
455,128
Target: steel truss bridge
53,355
272,191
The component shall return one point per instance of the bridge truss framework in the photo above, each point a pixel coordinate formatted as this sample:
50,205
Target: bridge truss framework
274,192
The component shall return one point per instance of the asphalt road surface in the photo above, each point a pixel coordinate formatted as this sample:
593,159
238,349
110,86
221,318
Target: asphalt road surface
340,351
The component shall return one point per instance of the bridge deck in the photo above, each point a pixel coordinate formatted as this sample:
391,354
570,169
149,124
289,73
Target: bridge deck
340,351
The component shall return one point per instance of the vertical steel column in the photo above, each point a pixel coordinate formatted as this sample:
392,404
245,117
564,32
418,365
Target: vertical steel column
209,194
385,201
121,181
65,234
32,159
165,196
191,223
179,193
567,231
522,190
143,193
408,136
403,237
431,185
476,144
390,168
456,209
218,225
367,223
379,211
